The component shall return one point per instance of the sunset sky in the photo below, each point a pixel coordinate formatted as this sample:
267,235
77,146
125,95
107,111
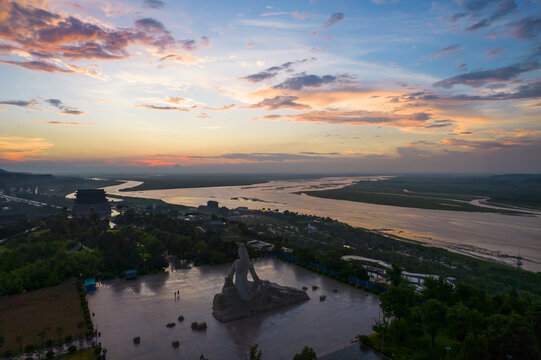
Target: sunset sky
270,86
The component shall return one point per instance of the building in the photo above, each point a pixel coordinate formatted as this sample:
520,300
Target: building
89,284
89,201
212,204
260,245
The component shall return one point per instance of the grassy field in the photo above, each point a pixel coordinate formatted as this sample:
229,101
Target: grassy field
40,315
439,192
351,193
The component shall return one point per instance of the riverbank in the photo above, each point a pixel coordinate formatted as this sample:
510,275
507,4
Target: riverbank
478,234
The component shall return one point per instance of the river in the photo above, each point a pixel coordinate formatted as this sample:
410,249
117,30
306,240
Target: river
494,236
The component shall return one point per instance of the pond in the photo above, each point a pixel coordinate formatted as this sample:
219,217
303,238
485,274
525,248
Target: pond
125,309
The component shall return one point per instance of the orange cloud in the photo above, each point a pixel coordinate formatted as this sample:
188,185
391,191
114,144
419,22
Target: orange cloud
68,123
175,100
81,70
361,117
13,148
152,163
56,36
345,97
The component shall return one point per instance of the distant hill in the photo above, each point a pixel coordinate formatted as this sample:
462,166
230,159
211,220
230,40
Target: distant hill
16,179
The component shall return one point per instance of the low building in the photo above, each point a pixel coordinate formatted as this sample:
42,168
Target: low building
260,245
89,284
89,201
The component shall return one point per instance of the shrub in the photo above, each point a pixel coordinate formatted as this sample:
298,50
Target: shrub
50,354
49,343
365,340
8,353
68,338
72,349
29,348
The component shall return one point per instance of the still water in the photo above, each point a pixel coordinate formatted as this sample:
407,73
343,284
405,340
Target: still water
489,235
125,309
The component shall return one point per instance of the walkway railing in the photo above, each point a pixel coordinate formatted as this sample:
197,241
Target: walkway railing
321,268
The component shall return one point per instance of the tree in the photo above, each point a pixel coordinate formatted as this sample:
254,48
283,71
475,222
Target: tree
462,320
255,353
307,354
433,313
438,289
354,268
332,260
395,274
511,335
398,301
474,347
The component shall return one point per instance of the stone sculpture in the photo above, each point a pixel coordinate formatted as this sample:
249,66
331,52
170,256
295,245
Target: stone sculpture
244,298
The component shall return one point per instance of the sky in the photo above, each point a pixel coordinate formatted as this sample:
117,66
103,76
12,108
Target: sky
380,86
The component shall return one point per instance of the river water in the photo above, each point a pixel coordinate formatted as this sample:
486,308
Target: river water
489,235
125,309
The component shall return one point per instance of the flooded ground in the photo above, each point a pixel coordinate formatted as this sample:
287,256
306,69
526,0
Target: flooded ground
488,235
142,307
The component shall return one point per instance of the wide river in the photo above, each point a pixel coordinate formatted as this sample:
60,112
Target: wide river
124,309
489,235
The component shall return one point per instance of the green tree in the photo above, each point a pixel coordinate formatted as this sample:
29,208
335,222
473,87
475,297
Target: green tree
354,268
307,354
255,353
474,347
433,314
332,260
395,274
462,320
439,289
511,335
398,301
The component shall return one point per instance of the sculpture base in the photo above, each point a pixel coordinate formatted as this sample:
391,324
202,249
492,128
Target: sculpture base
228,306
